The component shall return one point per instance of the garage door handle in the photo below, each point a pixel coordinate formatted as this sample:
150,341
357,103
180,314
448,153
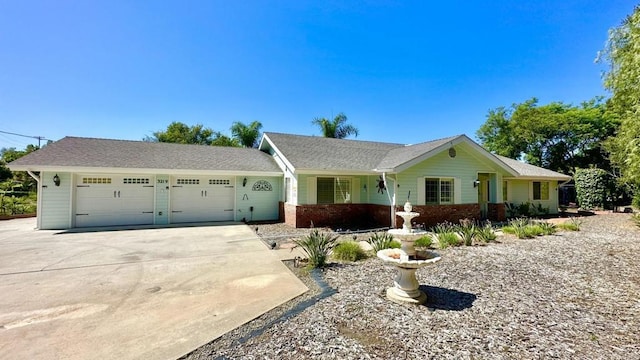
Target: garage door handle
205,193
114,193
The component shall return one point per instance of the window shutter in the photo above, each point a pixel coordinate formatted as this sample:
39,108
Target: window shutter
457,191
355,190
312,190
420,187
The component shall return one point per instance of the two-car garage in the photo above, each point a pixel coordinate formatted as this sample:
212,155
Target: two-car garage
105,200
89,182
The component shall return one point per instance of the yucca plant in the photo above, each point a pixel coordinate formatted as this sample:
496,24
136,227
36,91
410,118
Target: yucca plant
317,246
467,230
381,241
518,227
485,233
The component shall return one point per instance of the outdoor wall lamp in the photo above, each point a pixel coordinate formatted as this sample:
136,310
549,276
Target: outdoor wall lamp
56,180
476,183
244,182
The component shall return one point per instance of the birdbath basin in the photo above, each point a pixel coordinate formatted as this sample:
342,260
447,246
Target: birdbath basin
406,288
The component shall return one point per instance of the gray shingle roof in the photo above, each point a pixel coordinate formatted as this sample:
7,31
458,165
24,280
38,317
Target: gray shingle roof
321,153
527,170
106,153
398,156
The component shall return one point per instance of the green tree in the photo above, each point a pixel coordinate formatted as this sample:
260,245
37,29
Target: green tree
181,133
16,178
222,140
556,136
246,135
336,128
622,55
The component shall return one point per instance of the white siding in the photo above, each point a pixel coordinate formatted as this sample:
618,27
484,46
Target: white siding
256,194
55,211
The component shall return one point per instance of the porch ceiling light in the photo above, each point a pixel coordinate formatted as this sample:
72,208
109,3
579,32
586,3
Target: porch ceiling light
56,180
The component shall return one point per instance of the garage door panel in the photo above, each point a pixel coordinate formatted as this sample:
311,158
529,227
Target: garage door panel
114,200
200,199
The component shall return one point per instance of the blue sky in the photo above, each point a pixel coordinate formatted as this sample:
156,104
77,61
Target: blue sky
402,71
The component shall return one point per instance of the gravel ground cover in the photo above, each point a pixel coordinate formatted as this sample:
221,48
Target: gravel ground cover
573,295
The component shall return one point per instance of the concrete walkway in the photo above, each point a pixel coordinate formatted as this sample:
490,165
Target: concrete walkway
131,294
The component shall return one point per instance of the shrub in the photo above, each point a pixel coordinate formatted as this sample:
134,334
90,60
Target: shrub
636,200
349,251
591,187
547,228
21,204
425,241
447,236
317,246
485,233
533,230
572,225
381,241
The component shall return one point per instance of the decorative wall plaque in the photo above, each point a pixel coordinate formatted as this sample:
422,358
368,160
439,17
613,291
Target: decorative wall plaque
262,185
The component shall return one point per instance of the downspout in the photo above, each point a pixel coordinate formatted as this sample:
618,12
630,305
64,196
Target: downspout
392,200
39,199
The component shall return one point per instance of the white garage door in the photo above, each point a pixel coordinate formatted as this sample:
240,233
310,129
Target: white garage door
114,200
198,199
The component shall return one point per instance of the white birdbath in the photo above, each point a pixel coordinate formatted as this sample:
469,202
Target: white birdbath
406,288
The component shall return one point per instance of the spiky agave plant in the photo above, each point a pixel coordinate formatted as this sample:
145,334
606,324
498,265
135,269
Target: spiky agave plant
317,245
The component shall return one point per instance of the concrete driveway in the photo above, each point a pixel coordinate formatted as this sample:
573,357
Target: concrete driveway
129,294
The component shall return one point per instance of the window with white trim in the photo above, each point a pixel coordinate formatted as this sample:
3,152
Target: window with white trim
333,190
540,190
438,191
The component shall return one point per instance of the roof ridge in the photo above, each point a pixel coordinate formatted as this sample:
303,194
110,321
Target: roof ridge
151,142
333,139
440,139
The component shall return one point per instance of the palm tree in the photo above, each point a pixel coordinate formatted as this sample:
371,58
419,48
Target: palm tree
247,135
338,128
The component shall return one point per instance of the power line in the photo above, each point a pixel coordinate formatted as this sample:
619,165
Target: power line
40,138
